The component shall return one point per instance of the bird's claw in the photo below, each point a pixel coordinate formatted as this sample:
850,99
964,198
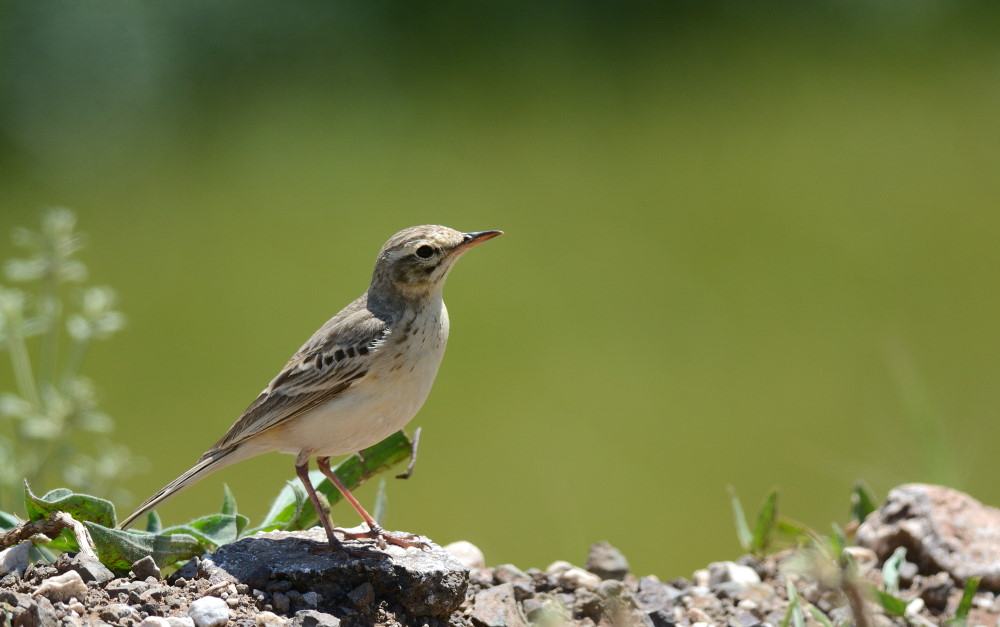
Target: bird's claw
383,538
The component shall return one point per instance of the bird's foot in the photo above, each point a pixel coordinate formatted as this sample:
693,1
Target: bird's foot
383,538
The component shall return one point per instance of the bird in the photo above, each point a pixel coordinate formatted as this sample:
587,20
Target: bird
361,377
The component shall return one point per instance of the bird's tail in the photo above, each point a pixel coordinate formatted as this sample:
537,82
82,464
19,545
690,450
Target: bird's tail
209,463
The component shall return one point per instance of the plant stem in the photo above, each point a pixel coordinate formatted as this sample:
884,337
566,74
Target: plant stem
22,370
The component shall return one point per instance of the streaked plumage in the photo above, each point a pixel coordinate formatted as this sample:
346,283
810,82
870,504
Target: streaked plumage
361,377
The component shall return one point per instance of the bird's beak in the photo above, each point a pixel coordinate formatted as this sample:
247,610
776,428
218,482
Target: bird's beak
471,239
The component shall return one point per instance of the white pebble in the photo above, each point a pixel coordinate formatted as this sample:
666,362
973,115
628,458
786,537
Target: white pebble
180,621
467,553
62,587
155,621
572,577
270,619
209,612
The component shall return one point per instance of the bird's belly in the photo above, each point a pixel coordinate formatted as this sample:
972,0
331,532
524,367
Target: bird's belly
371,410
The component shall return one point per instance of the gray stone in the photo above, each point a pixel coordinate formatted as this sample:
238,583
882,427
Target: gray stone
496,607
425,582
116,613
209,612
90,568
362,596
39,613
15,559
281,602
652,594
146,567
942,530
607,562
314,618
508,573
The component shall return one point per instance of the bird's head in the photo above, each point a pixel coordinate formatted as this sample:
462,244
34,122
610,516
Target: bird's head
415,262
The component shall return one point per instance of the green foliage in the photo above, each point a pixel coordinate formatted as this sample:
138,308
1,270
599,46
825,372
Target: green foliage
962,612
51,428
119,549
760,539
862,502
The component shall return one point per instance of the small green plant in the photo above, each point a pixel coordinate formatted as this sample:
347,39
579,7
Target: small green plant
51,427
119,549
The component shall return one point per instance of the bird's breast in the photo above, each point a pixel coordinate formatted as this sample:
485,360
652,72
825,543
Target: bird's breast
400,376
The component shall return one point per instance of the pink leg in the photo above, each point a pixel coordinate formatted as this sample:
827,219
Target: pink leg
374,529
302,470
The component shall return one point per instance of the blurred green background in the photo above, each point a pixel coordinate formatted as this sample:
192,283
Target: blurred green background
747,244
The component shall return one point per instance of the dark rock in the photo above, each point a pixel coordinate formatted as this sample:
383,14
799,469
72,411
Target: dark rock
424,582
936,592
146,567
185,572
313,618
661,618
363,595
496,607
90,568
942,530
607,562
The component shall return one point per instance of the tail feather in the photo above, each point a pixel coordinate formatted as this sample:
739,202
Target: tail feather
209,463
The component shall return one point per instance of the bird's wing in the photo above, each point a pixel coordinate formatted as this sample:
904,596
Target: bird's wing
338,355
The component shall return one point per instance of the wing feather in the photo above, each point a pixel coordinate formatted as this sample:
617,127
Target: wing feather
336,357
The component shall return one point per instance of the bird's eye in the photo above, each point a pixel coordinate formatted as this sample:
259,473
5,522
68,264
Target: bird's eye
425,252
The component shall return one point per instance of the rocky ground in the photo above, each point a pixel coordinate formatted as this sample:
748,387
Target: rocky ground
296,579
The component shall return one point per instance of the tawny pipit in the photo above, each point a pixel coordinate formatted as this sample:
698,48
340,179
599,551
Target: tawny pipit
359,378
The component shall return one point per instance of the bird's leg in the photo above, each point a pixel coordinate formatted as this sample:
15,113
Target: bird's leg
375,530
413,456
302,470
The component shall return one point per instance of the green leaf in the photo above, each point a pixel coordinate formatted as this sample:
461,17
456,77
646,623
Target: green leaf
118,549
862,502
766,517
228,500
962,611
838,542
819,616
8,521
793,615
890,570
890,603
153,522
213,530
743,533
293,510
82,507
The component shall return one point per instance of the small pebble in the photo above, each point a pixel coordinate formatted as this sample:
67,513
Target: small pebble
209,612
146,567
467,553
270,619
154,621
180,621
